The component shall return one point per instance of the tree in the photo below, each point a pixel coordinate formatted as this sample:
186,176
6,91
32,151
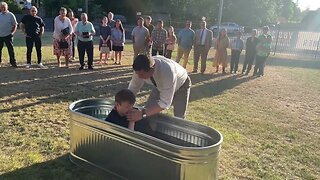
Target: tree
13,7
245,12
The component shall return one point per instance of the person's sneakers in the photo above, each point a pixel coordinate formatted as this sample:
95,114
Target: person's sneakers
14,65
28,66
81,67
90,67
72,60
40,65
194,71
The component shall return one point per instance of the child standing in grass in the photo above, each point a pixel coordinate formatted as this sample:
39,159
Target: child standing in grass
104,44
124,101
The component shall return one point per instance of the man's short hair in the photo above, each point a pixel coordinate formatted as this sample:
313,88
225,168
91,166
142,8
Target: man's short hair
125,95
63,9
149,18
2,3
140,18
110,13
143,62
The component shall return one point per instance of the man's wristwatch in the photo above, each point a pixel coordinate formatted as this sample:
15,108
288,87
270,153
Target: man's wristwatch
144,114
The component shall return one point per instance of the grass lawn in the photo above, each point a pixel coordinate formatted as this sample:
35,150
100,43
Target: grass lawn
271,124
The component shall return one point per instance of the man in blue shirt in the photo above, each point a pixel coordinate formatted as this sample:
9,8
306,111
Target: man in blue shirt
185,42
8,27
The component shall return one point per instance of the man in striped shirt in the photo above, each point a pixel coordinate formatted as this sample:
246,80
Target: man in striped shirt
236,48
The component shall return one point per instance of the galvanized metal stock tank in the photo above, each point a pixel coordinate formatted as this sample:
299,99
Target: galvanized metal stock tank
168,148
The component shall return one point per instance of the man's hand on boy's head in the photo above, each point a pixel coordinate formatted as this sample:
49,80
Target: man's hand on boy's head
134,115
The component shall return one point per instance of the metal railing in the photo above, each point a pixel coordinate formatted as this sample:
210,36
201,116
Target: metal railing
294,43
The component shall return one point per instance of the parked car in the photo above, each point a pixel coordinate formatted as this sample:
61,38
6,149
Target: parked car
229,26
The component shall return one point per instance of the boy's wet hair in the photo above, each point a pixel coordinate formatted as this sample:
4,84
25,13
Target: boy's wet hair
125,95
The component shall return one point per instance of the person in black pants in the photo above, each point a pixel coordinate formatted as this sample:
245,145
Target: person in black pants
8,27
33,28
251,52
263,51
85,32
236,48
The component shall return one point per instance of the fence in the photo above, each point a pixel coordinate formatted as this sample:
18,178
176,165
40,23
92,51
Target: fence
295,43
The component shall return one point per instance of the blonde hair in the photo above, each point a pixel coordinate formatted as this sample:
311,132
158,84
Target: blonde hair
4,4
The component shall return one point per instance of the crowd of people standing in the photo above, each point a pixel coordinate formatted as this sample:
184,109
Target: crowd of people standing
67,31
146,39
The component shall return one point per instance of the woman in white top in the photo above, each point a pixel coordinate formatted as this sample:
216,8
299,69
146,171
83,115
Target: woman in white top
62,36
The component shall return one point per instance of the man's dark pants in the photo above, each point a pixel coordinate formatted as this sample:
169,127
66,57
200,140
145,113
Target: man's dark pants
37,43
84,47
8,40
154,52
259,66
235,56
247,65
200,51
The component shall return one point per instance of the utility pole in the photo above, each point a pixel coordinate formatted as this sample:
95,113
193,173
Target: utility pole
86,4
220,15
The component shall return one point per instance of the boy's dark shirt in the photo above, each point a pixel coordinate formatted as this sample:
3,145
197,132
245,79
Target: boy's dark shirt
142,125
115,118
33,25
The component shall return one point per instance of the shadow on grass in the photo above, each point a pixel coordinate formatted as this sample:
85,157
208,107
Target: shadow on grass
203,88
297,63
56,85
59,168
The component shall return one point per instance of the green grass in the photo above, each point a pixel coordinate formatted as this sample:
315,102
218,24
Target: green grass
271,125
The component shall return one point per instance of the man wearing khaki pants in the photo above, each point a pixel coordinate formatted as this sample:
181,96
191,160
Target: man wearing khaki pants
185,42
140,37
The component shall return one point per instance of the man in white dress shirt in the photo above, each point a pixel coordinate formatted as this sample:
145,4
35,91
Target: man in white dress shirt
171,86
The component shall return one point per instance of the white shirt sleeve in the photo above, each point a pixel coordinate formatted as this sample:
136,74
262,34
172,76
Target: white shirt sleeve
135,84
13,20
167,86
